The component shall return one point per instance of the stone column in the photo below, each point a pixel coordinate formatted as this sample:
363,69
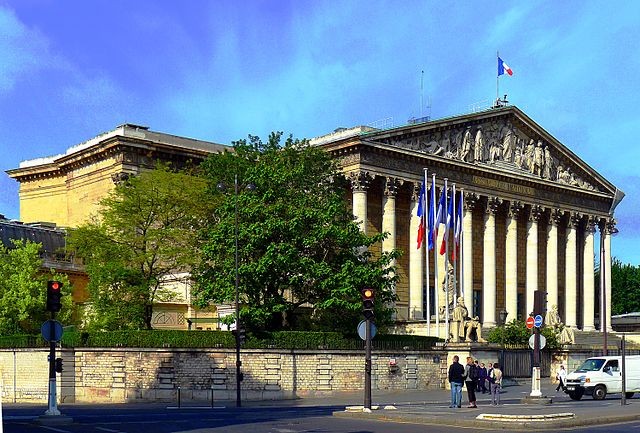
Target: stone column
571,272
389,213
552,258
416,260
360,184
588,288
610,228
470,200
511,262
532,255
489,263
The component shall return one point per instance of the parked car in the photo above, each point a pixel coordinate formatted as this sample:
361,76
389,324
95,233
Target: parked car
602,375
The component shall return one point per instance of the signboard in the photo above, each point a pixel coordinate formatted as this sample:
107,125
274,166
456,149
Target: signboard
537,321
530,322
543,341
362,328
46,329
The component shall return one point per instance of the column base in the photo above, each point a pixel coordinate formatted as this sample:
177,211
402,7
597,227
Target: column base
588,328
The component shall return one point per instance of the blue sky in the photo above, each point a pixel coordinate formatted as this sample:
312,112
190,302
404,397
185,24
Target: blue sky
219,70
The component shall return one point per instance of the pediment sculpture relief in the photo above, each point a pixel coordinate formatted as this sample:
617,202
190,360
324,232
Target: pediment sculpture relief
499,143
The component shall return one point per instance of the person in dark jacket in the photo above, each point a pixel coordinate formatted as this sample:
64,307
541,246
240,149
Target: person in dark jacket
482,377
456,379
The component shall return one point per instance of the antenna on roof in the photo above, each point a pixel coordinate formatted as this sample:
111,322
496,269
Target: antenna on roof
421,91
422,117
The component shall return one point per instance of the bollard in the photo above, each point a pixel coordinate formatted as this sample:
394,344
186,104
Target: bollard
178,397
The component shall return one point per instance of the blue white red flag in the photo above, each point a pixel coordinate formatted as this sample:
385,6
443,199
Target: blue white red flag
433,227
421,213
448,223
503,67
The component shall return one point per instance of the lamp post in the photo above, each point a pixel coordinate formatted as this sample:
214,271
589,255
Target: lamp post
221,186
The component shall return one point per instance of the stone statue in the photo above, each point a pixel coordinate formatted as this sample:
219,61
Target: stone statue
517,158
565,334
548,163
447,291
464,326
528,156
494,151
538,160
466,145
478,147
508,145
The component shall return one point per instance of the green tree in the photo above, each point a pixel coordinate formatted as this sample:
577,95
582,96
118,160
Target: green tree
625,288
144,232
302,257
24,292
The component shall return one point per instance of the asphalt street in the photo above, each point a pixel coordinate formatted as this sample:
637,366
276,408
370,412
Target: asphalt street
406,412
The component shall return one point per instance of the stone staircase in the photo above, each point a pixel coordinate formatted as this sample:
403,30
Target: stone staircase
595,340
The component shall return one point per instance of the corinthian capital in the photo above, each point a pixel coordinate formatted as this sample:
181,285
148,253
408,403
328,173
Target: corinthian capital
360,180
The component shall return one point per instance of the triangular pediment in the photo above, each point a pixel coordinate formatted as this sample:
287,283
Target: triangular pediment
504,139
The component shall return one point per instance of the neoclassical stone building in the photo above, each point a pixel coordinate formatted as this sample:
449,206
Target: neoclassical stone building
532,212
535,214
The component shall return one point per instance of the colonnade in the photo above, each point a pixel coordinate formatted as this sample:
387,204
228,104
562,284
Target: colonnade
578,242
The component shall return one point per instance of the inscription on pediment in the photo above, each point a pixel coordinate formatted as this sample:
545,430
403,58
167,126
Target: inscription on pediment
496,143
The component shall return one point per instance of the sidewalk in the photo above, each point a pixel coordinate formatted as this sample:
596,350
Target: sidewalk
432,407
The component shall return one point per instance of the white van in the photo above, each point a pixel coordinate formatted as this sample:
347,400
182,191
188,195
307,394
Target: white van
602,375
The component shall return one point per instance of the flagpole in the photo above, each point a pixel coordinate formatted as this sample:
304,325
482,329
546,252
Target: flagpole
435,267
455,260
497,79
426,249
461,249
446,262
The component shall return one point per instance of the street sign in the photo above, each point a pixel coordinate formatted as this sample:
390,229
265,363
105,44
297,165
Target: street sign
543,341
46,329
362,328
530,322
537,321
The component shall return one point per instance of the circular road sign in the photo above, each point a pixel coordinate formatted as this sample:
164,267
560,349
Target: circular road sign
537,321
362,328
543,341
530,322
48,327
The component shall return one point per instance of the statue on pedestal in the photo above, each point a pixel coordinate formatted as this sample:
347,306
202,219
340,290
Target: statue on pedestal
565,334
465,326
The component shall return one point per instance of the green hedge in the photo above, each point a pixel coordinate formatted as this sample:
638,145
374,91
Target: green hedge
224,339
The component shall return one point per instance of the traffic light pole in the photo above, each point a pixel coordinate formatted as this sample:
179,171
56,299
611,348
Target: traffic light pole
53,398
367,365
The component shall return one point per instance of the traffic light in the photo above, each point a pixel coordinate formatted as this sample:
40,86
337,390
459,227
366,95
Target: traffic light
58,365
242,334
539,302
54,295
367,302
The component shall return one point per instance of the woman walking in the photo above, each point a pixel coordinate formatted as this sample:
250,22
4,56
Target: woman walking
495,379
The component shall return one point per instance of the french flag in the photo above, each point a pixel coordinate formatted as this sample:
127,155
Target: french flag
503,67
421,213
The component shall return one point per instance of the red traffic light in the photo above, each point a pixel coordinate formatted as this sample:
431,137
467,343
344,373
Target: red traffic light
55,285
367,293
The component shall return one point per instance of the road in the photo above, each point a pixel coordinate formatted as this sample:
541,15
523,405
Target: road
262,419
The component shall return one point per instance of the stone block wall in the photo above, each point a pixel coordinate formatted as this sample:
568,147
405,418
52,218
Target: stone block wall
146,375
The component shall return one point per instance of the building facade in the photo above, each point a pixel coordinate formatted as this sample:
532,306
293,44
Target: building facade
534,213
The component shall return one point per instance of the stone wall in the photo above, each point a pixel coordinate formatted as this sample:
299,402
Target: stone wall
139,375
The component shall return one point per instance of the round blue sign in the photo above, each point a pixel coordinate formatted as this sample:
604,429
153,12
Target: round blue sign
51,330
537,321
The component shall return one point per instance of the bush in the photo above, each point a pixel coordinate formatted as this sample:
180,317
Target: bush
515,333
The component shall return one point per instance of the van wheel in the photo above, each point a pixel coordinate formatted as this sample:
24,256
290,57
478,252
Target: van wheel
599,392
628,394
575,395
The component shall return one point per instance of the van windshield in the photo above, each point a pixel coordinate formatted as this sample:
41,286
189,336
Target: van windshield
591,365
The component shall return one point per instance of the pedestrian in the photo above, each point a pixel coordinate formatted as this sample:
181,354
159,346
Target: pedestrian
495,381
470,379
562,378
456,380
482,378
489,368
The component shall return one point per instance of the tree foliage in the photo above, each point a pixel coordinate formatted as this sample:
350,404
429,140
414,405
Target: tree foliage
625,288
516,333
24,289
144,232
302,257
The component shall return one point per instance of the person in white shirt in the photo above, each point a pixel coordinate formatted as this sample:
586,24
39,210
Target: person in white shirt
562,378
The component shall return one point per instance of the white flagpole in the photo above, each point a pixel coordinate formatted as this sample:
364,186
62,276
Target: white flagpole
446,262
461,249
426,247
455,262
497,79
435,267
